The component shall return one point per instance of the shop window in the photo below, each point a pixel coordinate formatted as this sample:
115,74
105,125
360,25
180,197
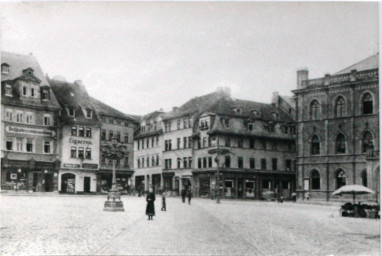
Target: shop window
314,110
29,145
227,162
263,164
252,163
367,142
73,152
340,144
240,162
47,120
315,145
367,104
103,136
340,107
88,132
8,90
74,130
81,131
9,144
315,179
88,154
364,178
47,146
81,152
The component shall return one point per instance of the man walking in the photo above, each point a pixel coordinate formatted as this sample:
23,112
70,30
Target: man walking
183,193
189,195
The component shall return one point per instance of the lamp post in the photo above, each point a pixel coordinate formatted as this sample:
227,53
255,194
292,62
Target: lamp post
114,151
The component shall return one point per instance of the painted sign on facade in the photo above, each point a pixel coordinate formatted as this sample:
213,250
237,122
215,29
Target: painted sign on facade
31,131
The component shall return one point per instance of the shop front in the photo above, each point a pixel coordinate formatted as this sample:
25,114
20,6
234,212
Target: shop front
105,179
77,181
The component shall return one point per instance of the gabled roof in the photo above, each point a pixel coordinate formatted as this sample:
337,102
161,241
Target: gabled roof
102,108
71,94
371,62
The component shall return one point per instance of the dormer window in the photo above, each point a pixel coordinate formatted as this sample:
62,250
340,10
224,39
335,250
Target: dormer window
203,124
256,113
8,90
4,68
28,71
225,122
71,112
45,95
89,113
237,110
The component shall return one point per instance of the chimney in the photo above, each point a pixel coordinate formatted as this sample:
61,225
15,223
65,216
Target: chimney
175,109
78,82
226,91
161,110
302,75
275,99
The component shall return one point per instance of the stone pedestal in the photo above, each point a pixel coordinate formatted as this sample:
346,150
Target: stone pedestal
114,203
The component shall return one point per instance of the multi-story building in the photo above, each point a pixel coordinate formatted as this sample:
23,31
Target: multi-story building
338,130
256,145
120,126
148,154
30,157
80,138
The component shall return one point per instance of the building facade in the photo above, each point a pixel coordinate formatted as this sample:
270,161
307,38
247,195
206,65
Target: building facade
338,130
120,126
148,154
29,126
80,138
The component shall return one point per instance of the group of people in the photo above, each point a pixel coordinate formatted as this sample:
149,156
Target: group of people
150,199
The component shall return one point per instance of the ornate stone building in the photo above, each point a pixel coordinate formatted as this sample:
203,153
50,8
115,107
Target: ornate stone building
29,126
338,130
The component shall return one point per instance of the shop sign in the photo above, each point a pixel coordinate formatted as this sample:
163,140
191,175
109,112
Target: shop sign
80,142
72,165
31,131
90,166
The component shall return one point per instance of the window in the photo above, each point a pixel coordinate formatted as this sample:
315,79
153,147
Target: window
9,144
103,136
210,161
340,178
252,143
19,144
178,143
103,159
204,162
199,163
314,110
364,178
153,161
147,142
88,154
139,163
185,162
29,118
89,113
143,162
185,123
74,130
185,144
204,142
81,153
190,142
227,141
263,164
119,138
250,127
315,179
190,162
29,145
8,90
315,147
179,162
340,107
5,68
45,94
33,91
227,162
178,124
88,132
288,164
47,119
274,164
143,143
9,115
81,131
252,163
367,142
111,136
240,142
225,122
73,152
367,104
127,138
47,147
240,162
199,143
19,117
340,144
148,161
71,112
25,90
126,162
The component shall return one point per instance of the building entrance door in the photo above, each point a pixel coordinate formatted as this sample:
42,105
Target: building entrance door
250,188
48,186
87,184
35,181
68,183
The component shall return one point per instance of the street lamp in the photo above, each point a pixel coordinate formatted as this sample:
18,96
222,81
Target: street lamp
114,151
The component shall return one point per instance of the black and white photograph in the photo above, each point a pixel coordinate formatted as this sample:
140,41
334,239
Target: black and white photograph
190,128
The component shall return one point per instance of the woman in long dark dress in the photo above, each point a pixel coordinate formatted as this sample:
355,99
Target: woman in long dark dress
150,208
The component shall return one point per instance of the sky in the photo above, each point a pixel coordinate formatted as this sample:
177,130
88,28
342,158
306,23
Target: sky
139,57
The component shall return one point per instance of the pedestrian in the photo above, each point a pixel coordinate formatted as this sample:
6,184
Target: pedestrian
183,193
150,208
189,195
163,201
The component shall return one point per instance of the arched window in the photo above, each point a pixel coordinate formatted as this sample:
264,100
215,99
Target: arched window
340,178
367,142
315,179
364,178
340,144
340,107
315,150
314,110
367,104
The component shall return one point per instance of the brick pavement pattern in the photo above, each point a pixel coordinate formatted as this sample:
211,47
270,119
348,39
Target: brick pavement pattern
77,225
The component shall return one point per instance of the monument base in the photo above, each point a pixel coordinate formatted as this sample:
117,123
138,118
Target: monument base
115,204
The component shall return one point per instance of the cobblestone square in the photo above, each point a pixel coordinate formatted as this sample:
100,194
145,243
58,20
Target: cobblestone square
73,225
